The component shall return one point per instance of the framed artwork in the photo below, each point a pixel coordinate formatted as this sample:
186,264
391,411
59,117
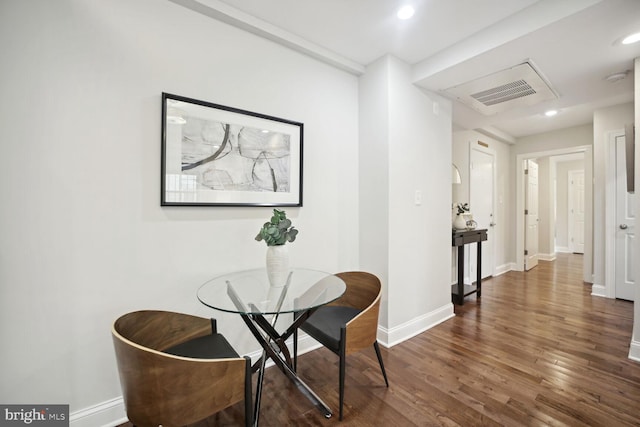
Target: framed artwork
213,155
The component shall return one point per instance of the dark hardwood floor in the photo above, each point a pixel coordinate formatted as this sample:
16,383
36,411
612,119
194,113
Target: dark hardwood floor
536,350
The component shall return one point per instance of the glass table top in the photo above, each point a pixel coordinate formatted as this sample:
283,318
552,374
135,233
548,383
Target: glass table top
249,291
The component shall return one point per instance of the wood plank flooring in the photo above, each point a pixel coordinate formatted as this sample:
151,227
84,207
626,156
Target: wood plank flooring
535,350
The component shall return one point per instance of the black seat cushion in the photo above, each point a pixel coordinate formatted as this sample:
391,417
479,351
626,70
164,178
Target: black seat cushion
324,325
213,346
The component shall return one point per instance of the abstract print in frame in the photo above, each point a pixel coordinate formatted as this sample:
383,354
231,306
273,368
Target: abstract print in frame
213,155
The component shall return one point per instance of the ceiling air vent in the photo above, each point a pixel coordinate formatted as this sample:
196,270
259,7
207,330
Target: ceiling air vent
514,87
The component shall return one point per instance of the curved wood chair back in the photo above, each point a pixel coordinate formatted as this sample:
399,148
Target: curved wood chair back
363,292
163,389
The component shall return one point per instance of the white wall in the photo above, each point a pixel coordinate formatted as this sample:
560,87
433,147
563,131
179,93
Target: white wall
554,140
401,136
374,178
84,238
418,232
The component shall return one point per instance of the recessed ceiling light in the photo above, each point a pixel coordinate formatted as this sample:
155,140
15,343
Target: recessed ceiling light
405,12
633,38
551,113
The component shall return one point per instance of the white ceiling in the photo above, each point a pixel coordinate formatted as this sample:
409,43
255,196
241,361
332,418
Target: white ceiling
572,43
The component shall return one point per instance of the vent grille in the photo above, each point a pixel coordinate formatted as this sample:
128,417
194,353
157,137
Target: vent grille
518,86
504,93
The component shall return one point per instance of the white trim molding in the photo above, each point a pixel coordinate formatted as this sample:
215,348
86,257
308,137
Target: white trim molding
221,11
547,257
599,290
504,268
400,333
634,351
110,413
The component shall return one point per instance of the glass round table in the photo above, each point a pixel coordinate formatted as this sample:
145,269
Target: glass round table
249,294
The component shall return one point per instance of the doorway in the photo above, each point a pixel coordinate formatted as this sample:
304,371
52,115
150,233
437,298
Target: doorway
569,171
587,152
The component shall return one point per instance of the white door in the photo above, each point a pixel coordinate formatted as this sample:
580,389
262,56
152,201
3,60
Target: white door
531,215
481,203
625,227
576,211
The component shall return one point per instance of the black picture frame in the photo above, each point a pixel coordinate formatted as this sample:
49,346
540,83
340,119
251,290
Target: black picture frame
215,155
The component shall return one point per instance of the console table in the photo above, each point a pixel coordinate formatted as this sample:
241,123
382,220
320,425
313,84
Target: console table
459,239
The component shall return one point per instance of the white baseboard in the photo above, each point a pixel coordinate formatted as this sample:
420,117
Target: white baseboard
386,337
634,351
547,257
106,414
398,334
503,269
598,290
563,249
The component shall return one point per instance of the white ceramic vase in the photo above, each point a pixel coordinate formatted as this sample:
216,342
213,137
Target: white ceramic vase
277,265
460,222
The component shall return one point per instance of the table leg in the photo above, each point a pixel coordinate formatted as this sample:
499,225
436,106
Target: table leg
479,271
273,351
256,409
461,274
270,352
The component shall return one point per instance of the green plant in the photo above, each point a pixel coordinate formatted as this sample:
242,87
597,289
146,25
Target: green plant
278,230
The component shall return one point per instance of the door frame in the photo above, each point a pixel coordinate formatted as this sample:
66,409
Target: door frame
519,208
610,214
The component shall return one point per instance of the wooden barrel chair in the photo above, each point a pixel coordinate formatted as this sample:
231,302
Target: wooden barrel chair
176,369
348,324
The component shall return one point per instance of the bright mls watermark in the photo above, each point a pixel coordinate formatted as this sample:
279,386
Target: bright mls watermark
35,415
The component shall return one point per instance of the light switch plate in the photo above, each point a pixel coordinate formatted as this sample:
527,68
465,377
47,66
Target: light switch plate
417,197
